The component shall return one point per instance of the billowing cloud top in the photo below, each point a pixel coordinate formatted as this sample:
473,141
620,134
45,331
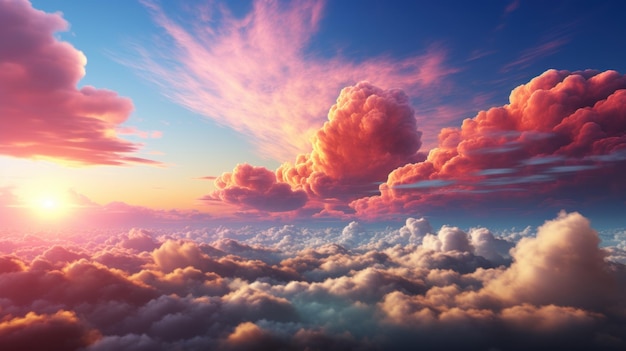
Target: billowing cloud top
369,133
43,115
561,131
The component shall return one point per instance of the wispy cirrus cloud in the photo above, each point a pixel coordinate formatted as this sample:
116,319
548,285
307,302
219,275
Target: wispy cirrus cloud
529,56
257,75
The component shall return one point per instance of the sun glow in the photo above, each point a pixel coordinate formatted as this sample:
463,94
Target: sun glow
50,206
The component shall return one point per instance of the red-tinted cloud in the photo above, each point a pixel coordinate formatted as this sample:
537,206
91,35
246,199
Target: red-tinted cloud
370,132
563,133
43,115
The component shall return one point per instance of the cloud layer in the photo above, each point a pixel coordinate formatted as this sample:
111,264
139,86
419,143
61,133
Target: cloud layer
43,113
299,288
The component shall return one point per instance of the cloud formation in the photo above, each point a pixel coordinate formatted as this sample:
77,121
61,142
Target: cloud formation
43,113
256,188
268,83
369,132
302,288
560,131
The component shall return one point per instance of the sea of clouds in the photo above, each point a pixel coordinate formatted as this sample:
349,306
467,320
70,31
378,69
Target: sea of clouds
292,287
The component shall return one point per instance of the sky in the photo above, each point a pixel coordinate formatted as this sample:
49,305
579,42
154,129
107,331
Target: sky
347,174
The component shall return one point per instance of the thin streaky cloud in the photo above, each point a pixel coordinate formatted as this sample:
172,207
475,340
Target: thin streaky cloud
533,54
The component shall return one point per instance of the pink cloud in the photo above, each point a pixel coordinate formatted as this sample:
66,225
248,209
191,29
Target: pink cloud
256,188
559,131
206,178
155,134
43,113
268,84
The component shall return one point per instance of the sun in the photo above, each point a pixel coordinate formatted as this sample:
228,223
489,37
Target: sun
49,206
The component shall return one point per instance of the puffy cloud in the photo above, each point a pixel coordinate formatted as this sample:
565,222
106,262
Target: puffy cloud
557,289
256,188
269,73
44,114
175,254
563,257
560,130
248,336
61,330
369,132
485,244
139,240
416,227
448,239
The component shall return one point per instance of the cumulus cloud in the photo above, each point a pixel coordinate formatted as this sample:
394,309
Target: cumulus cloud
202,289
60,330
44,114
564,256
269,73
256,188
369,132
559,131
